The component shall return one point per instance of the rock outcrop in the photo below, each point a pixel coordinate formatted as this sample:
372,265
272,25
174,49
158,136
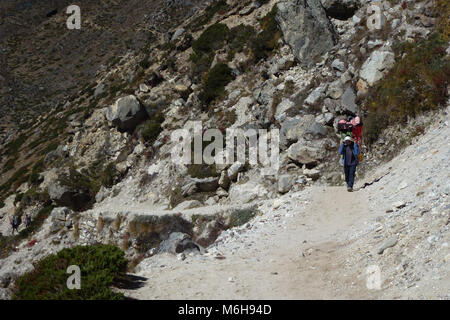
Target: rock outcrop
126,113
306,29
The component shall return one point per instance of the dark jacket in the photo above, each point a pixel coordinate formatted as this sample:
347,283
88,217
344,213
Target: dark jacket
355,150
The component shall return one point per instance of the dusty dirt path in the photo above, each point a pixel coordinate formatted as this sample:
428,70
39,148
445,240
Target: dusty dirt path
293,257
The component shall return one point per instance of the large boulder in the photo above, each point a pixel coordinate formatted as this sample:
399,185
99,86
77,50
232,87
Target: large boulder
285,183
246,192
340,9
66,196
59,218
178,242
306,29
126,113
300,153
348,104
293,129
376,66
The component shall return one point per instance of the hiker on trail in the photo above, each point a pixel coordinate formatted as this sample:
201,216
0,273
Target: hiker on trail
349,151
15,223
27,220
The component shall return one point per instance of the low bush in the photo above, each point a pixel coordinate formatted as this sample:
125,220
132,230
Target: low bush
241,216
214,83
100,265
152,128
267,40
417,83
212,39
217,7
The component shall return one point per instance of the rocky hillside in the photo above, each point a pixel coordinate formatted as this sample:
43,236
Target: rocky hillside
87,115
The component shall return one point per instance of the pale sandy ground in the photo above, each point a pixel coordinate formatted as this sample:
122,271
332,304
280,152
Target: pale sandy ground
279,258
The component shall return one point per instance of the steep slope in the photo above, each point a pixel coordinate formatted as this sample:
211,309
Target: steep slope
97,166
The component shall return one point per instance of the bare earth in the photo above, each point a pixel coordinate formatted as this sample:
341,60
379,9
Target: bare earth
297,259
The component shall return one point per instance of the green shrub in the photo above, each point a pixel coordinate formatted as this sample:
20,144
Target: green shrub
9,165
214,83
35,171
101,266
20,176
241,216
202,170
218,7
212,39
239,38
418,82
13,147
145,62
152,128
373,126
267,40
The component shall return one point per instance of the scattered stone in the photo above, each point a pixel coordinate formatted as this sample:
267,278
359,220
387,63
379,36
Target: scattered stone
399,204
387,244
285,183
177,34
143,88
338,65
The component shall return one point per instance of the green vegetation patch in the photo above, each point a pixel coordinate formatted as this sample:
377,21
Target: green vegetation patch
417,83
267,40
214,83
100,265
217,7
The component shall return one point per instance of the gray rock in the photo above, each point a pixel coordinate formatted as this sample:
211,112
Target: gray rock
348,101
376,65
102,194
178,242
188,205
312,173
143,88
317,94
392,241
177,34
60,213
235,168
316,130
306,29
206,184
302,154
293,129
285,105
263,94
66,196
285,183
335,89
99,90
189,189
222,193
338,65
126,113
